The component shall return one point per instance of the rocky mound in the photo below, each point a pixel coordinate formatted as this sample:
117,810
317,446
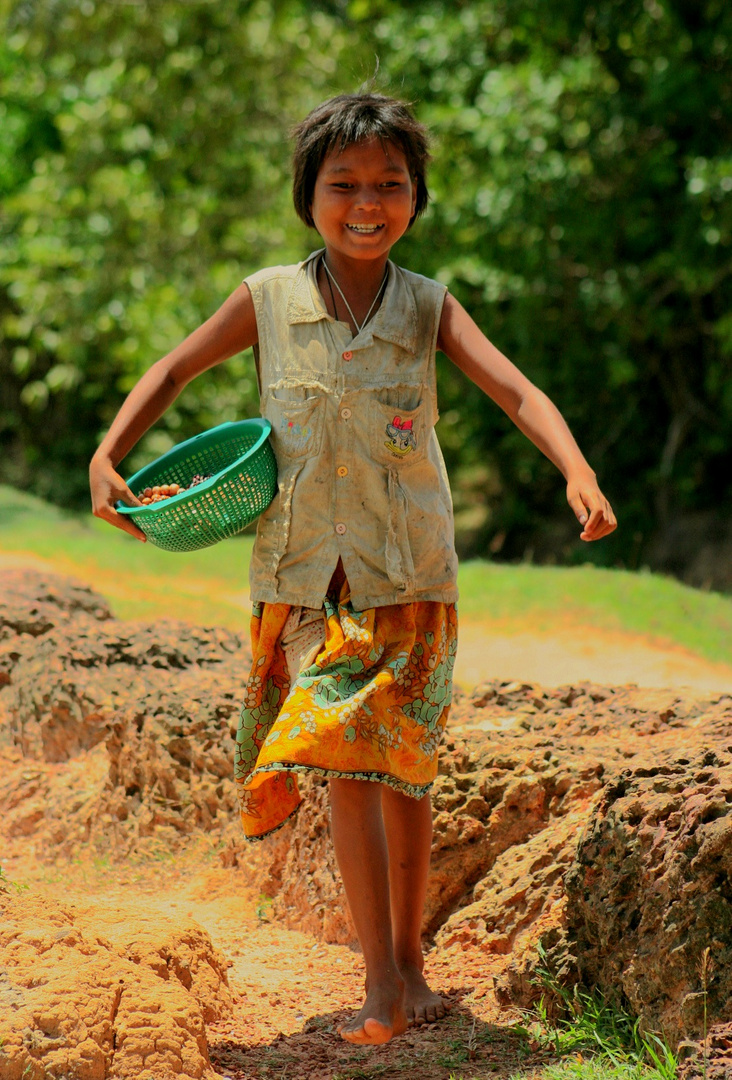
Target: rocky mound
710,1058
650,887
32,604
581,818
104,993
143,713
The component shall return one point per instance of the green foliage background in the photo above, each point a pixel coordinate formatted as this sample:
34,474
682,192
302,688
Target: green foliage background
581,210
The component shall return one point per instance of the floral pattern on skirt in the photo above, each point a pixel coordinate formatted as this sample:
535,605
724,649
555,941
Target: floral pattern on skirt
372,705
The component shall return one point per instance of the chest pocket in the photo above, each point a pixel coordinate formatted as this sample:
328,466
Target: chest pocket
297,425
398,437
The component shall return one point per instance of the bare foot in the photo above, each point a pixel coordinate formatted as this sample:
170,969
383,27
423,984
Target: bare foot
421,1004
381,1017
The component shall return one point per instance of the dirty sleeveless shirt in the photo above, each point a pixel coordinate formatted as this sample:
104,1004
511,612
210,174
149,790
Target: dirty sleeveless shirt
360,472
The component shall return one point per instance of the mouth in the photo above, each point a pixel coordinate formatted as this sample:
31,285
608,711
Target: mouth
364,230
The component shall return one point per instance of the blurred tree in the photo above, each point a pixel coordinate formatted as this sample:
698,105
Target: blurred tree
145,172
582,212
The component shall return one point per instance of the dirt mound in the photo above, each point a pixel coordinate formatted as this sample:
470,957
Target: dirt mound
651,887
143,714
32,604
104,993
120,735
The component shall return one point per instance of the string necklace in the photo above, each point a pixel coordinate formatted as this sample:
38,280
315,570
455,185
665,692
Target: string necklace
331,278
332,297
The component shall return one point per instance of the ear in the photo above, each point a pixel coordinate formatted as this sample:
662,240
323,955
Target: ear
414,196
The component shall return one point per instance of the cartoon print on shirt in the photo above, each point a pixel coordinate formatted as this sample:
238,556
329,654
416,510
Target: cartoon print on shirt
296,435
402,439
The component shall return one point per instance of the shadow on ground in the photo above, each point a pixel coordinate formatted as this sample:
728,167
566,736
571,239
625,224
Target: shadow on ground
462,1047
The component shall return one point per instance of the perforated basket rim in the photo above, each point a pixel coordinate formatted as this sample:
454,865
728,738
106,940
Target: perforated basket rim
179,451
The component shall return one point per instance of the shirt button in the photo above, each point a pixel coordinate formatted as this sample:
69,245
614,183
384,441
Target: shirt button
348,355
346,413
342,470
340,528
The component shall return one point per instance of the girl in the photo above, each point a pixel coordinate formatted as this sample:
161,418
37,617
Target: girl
353,573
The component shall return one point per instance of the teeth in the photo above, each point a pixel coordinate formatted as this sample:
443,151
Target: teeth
364,228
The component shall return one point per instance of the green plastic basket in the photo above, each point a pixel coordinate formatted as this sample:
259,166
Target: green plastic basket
242,484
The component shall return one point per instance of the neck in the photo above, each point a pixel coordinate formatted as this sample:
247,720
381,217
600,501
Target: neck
359,276
359,294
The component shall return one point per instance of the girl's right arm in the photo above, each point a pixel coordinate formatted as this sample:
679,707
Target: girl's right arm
230,330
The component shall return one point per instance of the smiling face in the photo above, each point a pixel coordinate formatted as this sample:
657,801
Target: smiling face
363,200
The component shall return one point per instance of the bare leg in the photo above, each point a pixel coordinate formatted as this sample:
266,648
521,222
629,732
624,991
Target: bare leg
408,824
360,844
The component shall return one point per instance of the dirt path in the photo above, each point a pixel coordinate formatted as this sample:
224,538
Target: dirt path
290,990
581,653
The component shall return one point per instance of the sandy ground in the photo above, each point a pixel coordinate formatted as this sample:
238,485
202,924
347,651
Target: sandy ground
581,653
291,991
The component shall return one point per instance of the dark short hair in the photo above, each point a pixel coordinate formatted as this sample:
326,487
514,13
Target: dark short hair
353,118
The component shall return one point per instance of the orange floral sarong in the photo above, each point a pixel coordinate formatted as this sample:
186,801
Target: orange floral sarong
372,705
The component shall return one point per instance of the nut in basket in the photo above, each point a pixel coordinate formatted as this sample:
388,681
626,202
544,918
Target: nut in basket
240,471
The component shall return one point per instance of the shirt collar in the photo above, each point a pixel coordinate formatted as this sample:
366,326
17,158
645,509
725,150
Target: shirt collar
395,321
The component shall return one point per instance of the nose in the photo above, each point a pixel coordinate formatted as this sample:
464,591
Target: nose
367,198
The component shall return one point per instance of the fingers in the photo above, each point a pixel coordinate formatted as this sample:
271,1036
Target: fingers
107,491
126,524
128,497
120,521
593,512
600,524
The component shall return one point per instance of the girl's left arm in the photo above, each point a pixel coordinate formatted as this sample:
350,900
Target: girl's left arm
530,409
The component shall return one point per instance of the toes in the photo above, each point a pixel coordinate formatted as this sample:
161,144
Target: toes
377,1032
430,1013
350,1030
353,1033
370,1033
436,1012
356,1037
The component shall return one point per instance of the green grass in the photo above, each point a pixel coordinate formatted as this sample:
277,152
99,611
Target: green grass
594,1032
577,1068
211,586
659,608
599,1068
